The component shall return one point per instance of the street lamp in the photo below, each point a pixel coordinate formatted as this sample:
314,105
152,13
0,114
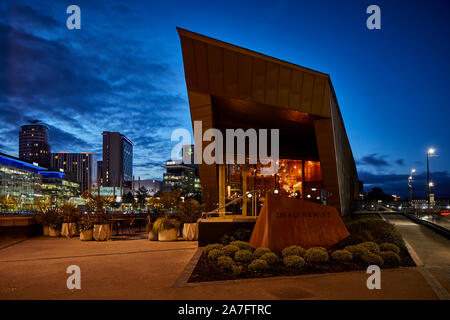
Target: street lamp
410,187
429,151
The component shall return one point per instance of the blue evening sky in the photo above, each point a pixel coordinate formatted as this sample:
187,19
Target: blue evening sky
123,71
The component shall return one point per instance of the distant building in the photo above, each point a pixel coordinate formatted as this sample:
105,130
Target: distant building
99,173
25,182
34,144
78,167
152,186
182,174
117,169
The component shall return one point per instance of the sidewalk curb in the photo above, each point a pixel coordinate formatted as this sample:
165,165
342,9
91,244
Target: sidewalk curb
182,280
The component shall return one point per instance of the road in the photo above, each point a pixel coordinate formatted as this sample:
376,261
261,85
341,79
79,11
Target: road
431,248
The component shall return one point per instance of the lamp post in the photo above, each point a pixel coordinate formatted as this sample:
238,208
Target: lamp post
429,151
410,186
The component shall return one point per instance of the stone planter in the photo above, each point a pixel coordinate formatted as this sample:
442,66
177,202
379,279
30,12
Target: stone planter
45,230
190,231
68,229
54,232
152,236
102,232
167,235
87,235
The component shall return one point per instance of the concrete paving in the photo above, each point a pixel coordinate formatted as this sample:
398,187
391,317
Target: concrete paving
140,269
431,248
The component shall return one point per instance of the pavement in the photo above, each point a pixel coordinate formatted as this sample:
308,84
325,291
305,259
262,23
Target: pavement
432,249
35,268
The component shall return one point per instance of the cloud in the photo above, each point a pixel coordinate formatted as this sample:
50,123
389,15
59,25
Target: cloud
373,160
84,83
400,162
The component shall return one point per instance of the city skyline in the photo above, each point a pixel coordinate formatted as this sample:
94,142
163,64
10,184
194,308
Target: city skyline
141,92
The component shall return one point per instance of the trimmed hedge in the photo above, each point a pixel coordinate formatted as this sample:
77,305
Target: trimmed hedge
258,265
293,251
294,262
371,246
389,247
214,254
316,255
342,255
270,257
357,251
372,258
230,250
242,245
260,251
390,257
226,263
210,247
243,256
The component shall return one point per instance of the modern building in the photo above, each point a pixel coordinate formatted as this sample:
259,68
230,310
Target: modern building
117,162
182,174
99,173
78,167
34,144
23,183
230,87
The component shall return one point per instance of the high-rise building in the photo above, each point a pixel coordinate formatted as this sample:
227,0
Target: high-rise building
100,173
79,167
182,174
117,169
34,144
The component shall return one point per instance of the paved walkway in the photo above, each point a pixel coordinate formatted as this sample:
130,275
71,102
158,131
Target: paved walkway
432,249
139,269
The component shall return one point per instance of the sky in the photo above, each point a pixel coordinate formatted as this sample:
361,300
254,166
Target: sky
123,71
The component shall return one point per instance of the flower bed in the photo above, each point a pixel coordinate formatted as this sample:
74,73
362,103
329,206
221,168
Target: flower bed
368,243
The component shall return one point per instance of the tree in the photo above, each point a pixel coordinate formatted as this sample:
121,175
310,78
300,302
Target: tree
190,210
377,194
141,196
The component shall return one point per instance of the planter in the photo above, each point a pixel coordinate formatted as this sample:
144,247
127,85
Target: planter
152,236
167,235
190,231
45,230
87,235
102,232
68,229
54,232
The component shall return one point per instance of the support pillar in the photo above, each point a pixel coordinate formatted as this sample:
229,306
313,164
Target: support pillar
244,190
222,188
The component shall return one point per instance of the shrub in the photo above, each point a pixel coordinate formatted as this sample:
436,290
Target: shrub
390,257
214,254
230,250
226,263
258,265
371,246
242,245
372,258
389,247
270,257
210,247
316,255
293,251
237,270
242,234
294,262
375,230
243,256
342,255
260,251
226,239
357,251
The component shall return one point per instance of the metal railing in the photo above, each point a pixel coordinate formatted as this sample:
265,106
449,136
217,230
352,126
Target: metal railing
246,195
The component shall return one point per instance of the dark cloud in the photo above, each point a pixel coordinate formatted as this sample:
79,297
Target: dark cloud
400,162
84,83
373,160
